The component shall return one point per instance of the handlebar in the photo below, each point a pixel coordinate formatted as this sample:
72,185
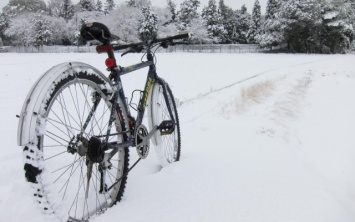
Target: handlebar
158,40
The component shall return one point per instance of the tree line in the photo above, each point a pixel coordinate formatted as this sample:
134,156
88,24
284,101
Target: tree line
307,26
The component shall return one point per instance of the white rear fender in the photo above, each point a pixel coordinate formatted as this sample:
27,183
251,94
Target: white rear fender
33,112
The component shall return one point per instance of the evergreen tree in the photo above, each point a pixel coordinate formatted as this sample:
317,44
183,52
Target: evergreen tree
3,26
42,31
213,21
109,5
229,21
271,35
149,27
3,23
223,9
131,3
172,8
337,31
98,6
300,24
255,23
67,11
87,5
19,6
139,3
187,13
54,7
242,25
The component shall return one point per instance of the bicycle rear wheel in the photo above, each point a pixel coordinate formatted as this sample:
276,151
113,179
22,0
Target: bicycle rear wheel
167,147
58,164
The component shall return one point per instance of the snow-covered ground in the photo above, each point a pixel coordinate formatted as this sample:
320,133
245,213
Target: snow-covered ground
265,137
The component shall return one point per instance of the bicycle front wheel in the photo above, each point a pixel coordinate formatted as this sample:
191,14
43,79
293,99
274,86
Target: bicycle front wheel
64,161
167,147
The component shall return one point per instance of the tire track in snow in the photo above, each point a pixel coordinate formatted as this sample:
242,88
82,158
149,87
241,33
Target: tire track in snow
199,96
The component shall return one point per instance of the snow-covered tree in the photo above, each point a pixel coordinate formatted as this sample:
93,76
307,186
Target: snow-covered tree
242,25
166,26
213,21
15,7
42,30
131,3
198,31
271,35
3,26
124,22
172,8
61,34
3,23
255,23
149,26
337,27
67,10
54,7
223,9
20,29
229,21
87,5
139,3
109,6
187,13
99,6
299,22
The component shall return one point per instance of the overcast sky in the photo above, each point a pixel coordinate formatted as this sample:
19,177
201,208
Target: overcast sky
235,4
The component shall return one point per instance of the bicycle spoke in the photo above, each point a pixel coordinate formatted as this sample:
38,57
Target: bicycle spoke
68,113
76,103
56,155
62,124
69,165
62,101
67,182
47,132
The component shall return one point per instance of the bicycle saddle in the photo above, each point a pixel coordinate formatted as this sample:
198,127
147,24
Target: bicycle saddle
96,31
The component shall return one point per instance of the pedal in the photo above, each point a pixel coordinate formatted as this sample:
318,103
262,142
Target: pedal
166,127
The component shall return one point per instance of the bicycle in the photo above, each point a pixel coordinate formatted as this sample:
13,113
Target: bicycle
76,127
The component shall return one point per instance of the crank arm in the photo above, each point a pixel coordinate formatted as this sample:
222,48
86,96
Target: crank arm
149,136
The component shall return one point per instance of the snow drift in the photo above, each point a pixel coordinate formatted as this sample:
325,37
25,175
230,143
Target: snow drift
264,138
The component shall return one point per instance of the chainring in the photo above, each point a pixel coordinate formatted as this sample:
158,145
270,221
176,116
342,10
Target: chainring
142,142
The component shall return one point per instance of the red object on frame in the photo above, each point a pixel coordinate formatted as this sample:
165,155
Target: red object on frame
110,62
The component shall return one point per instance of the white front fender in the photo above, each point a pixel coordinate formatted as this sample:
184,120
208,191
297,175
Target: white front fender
38,94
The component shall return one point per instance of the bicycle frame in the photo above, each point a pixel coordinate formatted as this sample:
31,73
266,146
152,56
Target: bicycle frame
152,77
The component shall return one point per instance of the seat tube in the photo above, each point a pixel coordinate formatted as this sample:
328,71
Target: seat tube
148,86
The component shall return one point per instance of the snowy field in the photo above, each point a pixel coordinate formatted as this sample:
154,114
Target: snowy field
265,138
